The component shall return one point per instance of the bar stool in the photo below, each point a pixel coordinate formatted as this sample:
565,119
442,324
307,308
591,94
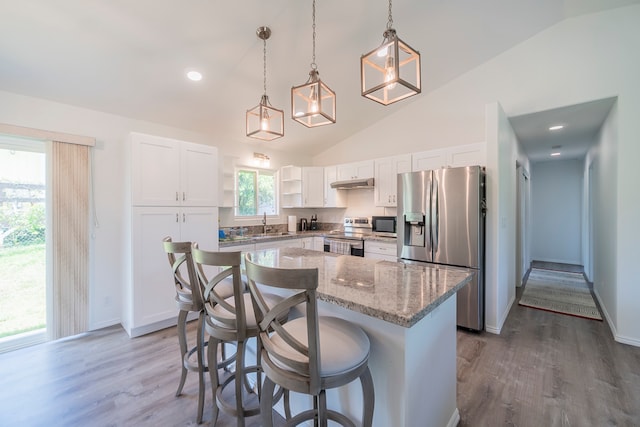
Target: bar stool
309,354
231,318
189,299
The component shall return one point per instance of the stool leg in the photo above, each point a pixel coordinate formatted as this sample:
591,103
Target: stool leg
368,398
240,381
322,408
182,340
201,365
213,373
266,402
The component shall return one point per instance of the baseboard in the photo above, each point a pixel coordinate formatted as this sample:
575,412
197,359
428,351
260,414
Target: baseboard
455,419
496,329
614,331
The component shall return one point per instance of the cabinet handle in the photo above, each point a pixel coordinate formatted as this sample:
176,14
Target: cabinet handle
177,218
184,217
184,196
177,198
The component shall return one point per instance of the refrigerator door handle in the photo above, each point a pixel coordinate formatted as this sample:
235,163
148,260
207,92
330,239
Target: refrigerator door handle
435,225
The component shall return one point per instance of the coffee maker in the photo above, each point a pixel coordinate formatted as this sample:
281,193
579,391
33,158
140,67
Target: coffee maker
304,226
313,225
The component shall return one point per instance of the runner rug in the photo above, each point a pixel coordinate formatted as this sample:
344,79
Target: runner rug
559,292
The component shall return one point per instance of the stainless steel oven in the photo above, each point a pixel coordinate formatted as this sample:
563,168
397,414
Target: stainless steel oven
344,245
351,240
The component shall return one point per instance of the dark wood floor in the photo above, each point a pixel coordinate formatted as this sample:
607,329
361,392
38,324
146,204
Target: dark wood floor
544,369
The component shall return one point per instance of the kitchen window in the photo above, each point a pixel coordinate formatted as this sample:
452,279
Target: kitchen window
257,192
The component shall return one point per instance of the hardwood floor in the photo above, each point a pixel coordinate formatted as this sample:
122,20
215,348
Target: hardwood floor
545,369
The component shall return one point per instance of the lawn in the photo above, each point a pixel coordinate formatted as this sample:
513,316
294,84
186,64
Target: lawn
22,289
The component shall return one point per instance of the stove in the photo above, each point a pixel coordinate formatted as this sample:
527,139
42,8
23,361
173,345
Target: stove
350,241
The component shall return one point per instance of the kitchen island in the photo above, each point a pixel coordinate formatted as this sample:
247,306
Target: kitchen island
409,313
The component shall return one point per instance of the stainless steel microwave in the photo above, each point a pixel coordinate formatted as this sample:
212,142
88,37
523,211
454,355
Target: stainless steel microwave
384,225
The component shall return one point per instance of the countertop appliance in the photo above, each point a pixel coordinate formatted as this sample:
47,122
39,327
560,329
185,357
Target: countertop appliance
441,219
351,240
384,226
304,225
313,224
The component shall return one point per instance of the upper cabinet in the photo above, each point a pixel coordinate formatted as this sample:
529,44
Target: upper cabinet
312,187
461,155
302,187
227,181
356,170
333,198
291,186
386,178
168,172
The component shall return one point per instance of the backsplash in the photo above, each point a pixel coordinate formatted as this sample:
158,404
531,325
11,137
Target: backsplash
275,228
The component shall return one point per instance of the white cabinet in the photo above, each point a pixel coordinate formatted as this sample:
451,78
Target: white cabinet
227,196
318,244
306,243
167,172
356,170
150,294
333,198
302,186
288,243
312,187
174,189
387,170
242,248
386,251
291,186
461,155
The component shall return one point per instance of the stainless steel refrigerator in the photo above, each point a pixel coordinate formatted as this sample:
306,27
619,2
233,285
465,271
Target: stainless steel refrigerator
441,220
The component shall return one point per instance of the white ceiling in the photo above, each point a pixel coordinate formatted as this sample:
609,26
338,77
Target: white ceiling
129,57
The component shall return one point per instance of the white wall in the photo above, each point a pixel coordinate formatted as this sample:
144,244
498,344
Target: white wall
578,60
108,237
556,203
603,164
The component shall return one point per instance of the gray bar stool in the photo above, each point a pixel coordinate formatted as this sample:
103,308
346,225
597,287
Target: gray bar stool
189,299
309,354
231,319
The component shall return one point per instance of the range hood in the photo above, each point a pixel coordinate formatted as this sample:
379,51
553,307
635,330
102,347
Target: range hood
353,183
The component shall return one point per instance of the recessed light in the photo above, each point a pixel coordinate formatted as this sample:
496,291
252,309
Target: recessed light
194,76
555,153
556,127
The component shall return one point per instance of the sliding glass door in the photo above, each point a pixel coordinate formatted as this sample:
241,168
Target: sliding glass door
23,258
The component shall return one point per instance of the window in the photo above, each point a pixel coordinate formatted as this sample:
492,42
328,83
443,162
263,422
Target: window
257,193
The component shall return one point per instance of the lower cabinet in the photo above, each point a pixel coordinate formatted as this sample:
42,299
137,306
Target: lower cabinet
149,292
318,244
375,249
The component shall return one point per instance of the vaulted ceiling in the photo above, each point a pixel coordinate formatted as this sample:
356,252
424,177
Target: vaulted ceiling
130,57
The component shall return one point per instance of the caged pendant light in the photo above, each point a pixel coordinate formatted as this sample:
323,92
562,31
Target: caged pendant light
264,121
313,103
391,72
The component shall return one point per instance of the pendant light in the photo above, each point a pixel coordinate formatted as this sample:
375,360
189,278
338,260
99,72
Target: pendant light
391,72
264,121
313,103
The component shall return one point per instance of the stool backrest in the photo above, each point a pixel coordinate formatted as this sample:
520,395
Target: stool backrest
228,316
305,358
184,273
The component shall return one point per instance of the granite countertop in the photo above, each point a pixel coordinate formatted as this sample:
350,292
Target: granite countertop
243,240
398,293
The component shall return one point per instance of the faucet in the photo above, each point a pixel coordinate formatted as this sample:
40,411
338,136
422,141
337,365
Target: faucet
264,222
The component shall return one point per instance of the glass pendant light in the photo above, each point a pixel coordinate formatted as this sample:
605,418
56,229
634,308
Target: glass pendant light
313,103
391,72
264,121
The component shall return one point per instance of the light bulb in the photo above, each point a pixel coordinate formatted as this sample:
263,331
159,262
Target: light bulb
313,107
264,120
389,72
